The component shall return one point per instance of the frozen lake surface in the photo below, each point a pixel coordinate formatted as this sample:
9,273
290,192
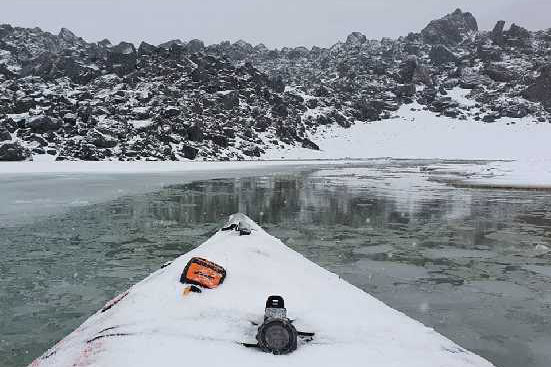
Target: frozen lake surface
473,264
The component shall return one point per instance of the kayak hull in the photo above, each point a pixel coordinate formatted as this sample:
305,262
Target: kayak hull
153,324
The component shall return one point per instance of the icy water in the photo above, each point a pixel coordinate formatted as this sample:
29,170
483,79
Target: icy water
473,264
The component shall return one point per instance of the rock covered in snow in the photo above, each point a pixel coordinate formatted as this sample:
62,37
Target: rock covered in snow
356,38
450,30
187,100
13,151
42,123
440,55
540,90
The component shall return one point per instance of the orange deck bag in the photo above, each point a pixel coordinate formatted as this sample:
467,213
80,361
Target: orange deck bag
204,273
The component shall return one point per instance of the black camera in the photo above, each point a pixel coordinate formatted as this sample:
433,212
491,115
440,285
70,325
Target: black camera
277,334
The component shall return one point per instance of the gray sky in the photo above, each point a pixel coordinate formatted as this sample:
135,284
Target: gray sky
276,23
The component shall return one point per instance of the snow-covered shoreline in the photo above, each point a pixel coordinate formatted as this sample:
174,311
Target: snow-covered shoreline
42,167
415,133
499,174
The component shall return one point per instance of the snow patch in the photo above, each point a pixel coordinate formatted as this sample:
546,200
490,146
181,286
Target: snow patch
140,124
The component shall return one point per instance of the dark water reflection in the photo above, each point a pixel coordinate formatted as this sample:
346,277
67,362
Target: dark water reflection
473,264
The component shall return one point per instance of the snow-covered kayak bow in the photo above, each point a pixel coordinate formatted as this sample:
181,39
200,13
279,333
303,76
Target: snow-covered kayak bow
152,324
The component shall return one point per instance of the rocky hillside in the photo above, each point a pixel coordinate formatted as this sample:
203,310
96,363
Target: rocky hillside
65,97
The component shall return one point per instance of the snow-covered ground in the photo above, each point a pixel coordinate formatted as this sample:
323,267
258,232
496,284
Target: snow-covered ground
155,325
421,134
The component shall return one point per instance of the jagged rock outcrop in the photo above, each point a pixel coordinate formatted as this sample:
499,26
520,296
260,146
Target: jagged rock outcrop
440,55
497,32
356,38
450,30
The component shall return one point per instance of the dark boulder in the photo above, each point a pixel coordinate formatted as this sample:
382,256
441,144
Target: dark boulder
280,110
171,111
252,151
518,36
88,152
84,112
5,29
146,49
471,79
422,75
405,90
177,51
101,140
286,133
4,134
450,30
407,69
42,123
499,73
13,151
195,133
497,33
70,118
123,58
167,45
104,43
490,117
489,53
10,124
309,144
262,124
277,84
297,53
366,110
229,132
229,99
219,140
427,96
540,90
356,39
23,105
77,71
515,111
189,152
194,45
441,55
68,36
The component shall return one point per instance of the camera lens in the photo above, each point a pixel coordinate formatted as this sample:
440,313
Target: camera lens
277,336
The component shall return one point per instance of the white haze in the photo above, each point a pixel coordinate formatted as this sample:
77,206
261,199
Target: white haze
275,23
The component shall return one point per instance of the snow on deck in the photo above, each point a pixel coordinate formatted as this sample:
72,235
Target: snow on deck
154,325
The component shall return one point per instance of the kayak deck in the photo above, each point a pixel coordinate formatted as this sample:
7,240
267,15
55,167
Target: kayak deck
153,324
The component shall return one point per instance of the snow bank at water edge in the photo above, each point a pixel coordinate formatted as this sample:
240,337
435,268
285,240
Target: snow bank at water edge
520,174
45,166
416,133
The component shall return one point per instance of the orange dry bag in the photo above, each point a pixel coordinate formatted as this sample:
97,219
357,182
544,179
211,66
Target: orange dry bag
204,273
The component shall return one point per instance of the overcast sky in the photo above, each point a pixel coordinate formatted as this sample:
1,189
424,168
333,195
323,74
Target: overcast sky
275,23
